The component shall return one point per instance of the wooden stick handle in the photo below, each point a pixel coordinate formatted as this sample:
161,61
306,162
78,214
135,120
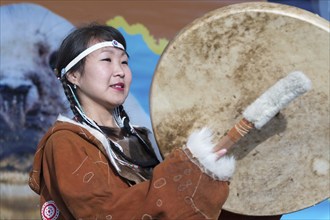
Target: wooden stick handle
239,130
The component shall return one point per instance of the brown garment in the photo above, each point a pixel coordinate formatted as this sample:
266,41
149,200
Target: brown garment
71,168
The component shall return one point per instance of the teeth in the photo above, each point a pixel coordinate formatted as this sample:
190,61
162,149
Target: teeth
118,86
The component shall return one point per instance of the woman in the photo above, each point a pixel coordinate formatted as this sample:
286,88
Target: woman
98,166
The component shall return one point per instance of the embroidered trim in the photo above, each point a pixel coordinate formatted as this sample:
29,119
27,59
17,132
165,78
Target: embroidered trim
49,211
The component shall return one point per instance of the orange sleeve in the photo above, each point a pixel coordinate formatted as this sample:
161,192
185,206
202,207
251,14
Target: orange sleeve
80,180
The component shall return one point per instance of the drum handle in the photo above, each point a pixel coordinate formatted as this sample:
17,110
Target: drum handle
231,137
265,107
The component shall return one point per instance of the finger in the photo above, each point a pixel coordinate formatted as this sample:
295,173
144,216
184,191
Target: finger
220,153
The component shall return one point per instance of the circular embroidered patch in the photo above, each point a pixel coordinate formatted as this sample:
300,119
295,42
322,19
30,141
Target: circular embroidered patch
49,211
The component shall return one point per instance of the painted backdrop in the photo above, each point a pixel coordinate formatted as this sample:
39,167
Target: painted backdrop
29,93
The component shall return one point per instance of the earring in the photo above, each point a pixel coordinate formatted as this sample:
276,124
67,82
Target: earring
74,86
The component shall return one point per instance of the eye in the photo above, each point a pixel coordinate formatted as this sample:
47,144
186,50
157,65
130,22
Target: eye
106,59
125,62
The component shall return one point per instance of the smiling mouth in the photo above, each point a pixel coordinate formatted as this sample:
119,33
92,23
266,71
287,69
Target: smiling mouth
119,86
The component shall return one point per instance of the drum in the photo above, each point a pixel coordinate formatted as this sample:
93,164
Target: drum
218,65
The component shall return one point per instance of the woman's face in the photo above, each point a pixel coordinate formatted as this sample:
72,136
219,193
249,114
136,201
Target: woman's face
106,79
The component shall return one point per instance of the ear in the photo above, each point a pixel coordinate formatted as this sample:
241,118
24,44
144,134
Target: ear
73,77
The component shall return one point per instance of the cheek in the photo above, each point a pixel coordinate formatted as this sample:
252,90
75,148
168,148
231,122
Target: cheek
128,78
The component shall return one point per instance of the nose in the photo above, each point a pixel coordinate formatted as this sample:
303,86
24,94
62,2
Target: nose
13,102
119,70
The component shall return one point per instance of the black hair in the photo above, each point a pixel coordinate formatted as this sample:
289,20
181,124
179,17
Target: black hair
78,40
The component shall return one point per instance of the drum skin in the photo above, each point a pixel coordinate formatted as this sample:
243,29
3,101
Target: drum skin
218,65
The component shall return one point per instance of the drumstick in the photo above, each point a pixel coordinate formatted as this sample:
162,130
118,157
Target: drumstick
265,108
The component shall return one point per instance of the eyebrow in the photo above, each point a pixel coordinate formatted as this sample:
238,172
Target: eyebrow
111,50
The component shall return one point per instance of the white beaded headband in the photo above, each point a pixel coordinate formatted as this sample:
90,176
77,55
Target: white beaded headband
89,50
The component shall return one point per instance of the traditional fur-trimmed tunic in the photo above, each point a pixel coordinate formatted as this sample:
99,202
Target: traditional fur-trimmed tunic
76,180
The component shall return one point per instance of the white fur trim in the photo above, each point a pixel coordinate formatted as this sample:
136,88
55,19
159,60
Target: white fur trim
201,146
277,97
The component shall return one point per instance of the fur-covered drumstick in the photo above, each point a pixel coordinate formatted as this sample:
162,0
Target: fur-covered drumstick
265,108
